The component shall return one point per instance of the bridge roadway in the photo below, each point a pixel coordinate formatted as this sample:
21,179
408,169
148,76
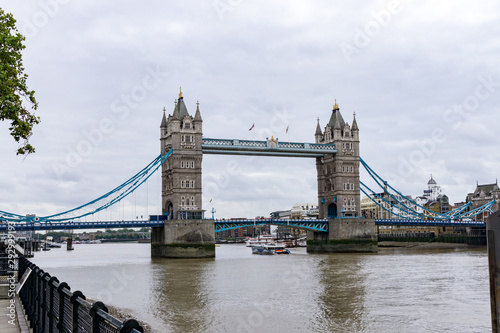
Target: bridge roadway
228,224
430,223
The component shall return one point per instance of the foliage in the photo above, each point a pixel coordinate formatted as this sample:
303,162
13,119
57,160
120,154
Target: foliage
13,89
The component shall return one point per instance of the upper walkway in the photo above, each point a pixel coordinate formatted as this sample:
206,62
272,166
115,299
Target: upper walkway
265,148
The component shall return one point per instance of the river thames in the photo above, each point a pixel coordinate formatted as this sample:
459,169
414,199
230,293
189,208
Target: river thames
396,290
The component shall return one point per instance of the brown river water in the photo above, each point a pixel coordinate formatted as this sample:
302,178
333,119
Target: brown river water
396,290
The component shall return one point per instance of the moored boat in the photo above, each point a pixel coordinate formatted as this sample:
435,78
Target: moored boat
260,240
269,249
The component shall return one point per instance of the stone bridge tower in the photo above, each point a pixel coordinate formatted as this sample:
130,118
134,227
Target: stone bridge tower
338,174
185,233
339,193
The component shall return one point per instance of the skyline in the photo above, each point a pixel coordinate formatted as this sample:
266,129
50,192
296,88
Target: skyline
422,78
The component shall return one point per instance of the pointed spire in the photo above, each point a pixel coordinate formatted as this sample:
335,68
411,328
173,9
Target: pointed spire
197,115
175,114
164,119
180,92
354,123
318,129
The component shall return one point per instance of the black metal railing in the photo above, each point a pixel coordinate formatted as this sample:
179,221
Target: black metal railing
51,307
8,268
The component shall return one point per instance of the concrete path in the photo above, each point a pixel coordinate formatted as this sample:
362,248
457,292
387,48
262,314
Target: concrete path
11,316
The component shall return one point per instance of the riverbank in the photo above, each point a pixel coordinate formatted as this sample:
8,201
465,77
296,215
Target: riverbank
425,245
123,314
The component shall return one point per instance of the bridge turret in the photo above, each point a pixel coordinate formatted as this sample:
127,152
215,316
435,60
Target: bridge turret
354,128
318,135
338,174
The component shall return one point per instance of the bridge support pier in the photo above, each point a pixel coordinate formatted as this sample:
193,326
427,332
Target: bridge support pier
184,239
347,235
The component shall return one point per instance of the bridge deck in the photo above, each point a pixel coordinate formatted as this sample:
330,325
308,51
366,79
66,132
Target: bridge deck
430,223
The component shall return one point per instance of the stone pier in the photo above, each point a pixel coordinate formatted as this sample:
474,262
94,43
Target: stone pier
184,239
348,235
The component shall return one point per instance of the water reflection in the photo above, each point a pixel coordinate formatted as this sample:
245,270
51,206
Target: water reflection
392,291
179,295
341,300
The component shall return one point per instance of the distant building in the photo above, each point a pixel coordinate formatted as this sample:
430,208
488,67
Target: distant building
481,196
433,190
298,211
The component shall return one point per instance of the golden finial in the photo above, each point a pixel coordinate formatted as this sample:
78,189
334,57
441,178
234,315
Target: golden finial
180,92
335,106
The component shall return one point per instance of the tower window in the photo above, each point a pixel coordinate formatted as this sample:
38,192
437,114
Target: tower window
187,125
192,164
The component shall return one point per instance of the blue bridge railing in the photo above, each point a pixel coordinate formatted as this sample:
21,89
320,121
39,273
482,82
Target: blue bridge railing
439,223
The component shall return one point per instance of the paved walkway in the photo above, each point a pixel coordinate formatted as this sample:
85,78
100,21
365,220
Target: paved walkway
7,325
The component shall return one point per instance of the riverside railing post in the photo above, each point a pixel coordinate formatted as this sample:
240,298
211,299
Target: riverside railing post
75,303
45,305
37,302
493,238
95,316
51,302
62,306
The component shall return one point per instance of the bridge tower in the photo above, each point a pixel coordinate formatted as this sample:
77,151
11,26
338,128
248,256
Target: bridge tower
339,193
338,174
185,233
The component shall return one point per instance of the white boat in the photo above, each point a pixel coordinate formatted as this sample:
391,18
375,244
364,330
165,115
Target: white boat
269,249
260,240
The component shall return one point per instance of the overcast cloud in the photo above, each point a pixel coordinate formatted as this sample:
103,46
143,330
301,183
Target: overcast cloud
422,76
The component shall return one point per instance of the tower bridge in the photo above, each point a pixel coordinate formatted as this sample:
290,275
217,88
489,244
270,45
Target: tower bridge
187,233
182,230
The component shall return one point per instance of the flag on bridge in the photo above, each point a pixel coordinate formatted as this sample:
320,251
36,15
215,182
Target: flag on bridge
251,128
287,130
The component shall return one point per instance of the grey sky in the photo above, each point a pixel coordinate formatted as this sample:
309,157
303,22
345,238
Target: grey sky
423,78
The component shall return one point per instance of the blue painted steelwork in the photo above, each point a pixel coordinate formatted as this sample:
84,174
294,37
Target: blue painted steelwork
69,225
453,215
113,196
265,148
430,223
315,225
